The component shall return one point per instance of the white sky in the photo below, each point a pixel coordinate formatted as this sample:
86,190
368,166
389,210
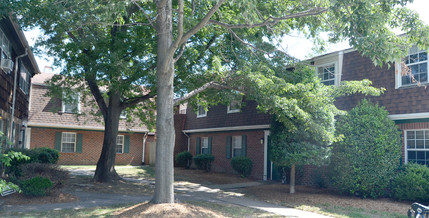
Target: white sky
299,46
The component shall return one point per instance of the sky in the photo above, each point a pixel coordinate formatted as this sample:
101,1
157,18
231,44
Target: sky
297,45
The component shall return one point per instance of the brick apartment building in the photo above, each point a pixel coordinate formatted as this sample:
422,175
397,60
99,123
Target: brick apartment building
78,135
225,131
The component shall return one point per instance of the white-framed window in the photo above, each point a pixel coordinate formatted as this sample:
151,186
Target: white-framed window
123,114
72,104
417,146
202,112
327,73
417,64
237,146
5,48
204,145
234,107
68,142
24,78
119,144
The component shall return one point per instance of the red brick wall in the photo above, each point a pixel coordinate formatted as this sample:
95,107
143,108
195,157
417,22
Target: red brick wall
255,151
91,146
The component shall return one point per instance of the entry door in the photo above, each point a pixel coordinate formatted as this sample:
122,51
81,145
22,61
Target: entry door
273,172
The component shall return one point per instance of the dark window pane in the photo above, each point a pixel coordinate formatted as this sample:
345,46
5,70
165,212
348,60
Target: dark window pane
414,69
412,155
407,60
410,135
325,76
423,56
422,162
427,155
419,135
420,144
414,58
406,80
423,68
411,144
423,77
421,155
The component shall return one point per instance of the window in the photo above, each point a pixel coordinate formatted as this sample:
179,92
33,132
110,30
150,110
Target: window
123,114
417,146
201,111
417,63
326,74
71,104
68,142
236,146
234,107
120,144
205,145
24,78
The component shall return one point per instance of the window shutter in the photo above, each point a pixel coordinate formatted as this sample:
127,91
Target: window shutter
210,145
228,147
79,142
127,144
198,149
58,141
244,146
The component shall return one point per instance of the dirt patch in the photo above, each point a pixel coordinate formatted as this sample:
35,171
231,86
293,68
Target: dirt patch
279,193
208,178
166,210
56,197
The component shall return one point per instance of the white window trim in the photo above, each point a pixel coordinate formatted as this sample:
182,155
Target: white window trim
198,112
204,145
413,149
398,74
75,142
123,114
336,72
240,146
63,105
229,111
123,144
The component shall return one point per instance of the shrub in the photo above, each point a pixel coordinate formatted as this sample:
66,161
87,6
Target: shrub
51,171
204,161
183,159
38,155
242,165
365,161
412,183
37,186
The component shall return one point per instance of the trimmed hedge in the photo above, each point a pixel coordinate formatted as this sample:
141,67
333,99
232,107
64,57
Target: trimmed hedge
204,161
183,159
37,186
242,165
412,183
364,163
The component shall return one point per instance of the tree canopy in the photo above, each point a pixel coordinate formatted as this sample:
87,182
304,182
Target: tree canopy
182,48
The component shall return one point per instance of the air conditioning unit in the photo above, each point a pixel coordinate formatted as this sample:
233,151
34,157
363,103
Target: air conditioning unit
6,65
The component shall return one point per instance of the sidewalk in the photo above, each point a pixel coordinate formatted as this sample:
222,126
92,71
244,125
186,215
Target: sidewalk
188,192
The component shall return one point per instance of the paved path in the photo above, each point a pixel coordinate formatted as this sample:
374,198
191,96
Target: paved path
184,192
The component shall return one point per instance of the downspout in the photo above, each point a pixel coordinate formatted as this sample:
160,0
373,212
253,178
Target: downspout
14,93
189,140
144,146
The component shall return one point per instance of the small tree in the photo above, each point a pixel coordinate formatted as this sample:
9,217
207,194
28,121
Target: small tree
365,161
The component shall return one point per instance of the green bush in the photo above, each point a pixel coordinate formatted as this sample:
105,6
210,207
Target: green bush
412,183
37,155
37,186
52,171
364,163
204,161
183,159
242,165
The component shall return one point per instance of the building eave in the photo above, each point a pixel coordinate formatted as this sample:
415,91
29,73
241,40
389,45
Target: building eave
226,129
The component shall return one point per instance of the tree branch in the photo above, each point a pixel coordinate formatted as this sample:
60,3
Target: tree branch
271,20
144,12
95,90
194,92
182,50
133,101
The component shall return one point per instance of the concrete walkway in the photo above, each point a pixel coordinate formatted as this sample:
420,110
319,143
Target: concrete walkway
184,192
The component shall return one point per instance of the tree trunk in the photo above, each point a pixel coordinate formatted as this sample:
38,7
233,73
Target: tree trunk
105,171
164,189
292,179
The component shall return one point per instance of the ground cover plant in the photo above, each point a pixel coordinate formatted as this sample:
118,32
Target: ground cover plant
412,183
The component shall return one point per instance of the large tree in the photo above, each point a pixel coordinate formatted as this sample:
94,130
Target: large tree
209,44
